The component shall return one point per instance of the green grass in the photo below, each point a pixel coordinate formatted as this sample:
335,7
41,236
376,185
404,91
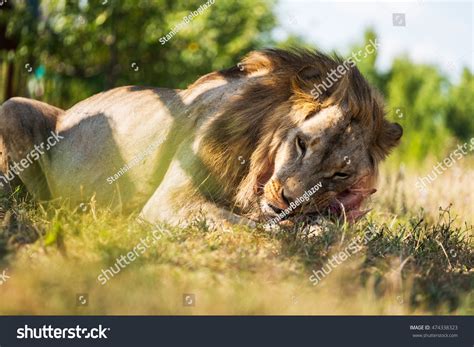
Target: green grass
420,261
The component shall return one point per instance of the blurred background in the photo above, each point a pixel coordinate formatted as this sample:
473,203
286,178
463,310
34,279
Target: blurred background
61,52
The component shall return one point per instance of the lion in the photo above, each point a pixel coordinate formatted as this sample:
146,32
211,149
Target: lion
247,144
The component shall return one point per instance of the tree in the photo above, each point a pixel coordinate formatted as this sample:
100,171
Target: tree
461,107
417,99
367,64
88,46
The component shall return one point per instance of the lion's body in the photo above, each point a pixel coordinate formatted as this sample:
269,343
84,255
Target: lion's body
149,132
203,148
112,129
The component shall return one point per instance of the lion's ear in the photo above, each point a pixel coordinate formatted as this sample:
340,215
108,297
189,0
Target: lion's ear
309,73
305,79
309,81
390,135
302,83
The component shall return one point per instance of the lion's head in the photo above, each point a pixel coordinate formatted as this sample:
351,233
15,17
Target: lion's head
297,139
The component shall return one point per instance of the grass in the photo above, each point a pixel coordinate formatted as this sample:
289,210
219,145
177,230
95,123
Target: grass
420,260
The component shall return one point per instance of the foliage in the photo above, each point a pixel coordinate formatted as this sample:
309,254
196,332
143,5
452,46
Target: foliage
88,46
78,48
432,111
460,114
417,101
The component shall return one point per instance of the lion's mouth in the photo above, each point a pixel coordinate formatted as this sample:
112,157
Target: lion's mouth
349,203
346,204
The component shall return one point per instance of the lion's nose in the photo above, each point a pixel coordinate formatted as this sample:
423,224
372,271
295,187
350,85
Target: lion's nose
280,202
285,198
275,194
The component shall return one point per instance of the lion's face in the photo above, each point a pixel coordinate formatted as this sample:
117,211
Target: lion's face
324,164
309,153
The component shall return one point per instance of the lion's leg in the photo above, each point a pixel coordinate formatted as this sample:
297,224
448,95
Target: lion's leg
177,201
159,208
25,126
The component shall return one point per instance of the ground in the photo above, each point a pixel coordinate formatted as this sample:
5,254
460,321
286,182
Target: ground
419,259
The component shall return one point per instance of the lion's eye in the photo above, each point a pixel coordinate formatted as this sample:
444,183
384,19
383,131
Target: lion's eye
301,146
340,176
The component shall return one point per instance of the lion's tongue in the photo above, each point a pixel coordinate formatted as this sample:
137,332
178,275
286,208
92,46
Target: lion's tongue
350,201
353,216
